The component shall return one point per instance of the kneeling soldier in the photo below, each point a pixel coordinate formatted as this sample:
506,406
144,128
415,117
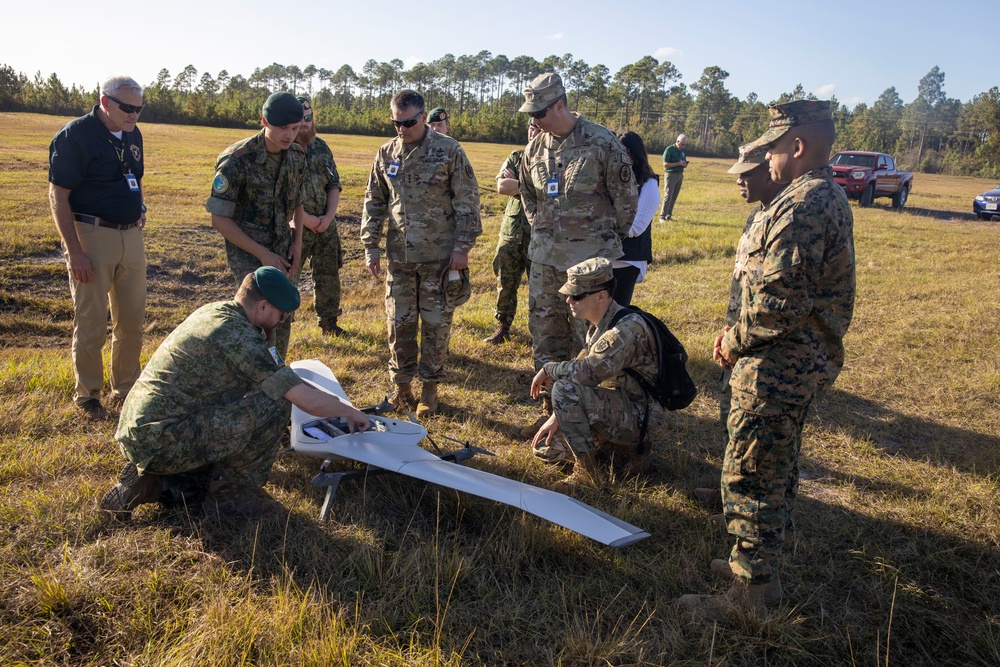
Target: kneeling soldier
596,404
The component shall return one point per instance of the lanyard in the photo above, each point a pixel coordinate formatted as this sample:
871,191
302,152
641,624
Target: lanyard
120,152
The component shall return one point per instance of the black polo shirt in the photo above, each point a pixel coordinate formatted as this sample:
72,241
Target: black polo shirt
90,162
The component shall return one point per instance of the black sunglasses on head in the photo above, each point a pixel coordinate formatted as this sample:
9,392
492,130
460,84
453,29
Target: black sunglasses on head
406,123
127,108
538,115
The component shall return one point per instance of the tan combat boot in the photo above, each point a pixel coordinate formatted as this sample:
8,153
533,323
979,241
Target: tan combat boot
530,430
330,328
428,400
751,597
586,474
501,335
131,491
709,498
403,399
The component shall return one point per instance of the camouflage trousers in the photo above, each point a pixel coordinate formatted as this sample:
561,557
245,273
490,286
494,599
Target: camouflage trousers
326,256
510,263
760,481
240,264
589,417
413,290
238,441
555,334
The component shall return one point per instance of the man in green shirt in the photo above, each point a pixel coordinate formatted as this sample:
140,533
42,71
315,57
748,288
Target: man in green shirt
674,163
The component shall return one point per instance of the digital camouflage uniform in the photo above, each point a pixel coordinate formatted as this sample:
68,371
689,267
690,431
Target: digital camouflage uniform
260,202
511,262
324,249
797,281
593,398
584,212
212,395
431,209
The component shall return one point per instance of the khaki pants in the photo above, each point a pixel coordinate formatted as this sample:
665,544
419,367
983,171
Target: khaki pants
118,258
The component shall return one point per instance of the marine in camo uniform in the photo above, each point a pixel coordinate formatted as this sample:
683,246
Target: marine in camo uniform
423,193
256,200
320,239
580,196
596,405
208,411
797,279
510,262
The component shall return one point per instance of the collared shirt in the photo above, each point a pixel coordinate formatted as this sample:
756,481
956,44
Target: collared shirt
92,163
674,154
429,195
797,281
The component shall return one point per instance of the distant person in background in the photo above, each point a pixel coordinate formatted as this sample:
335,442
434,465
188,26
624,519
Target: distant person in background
320,238
95,192
437,119
256,199
630,268
674,163
510,262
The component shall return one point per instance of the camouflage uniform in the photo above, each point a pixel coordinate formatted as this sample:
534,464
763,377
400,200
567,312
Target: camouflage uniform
432,209
212,395
797,282
511,261
260,202
325,250
583,213
592,396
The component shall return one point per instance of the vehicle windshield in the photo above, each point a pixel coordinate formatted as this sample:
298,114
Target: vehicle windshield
853,160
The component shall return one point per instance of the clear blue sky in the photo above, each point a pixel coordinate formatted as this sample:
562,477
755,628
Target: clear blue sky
766,47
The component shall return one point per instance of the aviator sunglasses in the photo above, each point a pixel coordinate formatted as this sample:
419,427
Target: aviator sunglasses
127,108
538,115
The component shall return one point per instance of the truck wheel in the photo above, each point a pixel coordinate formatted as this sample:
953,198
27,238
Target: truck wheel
867,196
899,199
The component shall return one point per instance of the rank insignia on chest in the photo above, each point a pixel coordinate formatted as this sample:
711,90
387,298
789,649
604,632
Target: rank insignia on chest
220,184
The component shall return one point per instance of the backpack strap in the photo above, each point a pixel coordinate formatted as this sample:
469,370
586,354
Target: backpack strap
643,383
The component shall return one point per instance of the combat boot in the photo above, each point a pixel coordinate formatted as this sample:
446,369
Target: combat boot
428,400
502,334
403,399
721,568
587,473
529,431
752,597
131,491
709,498
330,328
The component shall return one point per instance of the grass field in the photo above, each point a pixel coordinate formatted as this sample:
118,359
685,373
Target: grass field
896,557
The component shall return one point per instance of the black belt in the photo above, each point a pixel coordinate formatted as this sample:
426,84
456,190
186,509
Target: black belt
100,222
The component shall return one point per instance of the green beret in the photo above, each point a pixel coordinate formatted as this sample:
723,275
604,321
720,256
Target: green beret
437,115
282,109
276,287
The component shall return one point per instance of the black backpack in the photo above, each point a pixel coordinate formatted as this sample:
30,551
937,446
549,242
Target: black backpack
674,389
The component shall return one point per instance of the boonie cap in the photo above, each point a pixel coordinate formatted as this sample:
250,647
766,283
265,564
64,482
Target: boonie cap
282,109
541,92
792,114
276,288
587,276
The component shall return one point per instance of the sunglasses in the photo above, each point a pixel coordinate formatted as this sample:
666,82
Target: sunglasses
538,115
127,108
307,118
581,297
410,122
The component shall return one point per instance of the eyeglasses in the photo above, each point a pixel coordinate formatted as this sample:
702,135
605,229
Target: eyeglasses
538,115
410,122
127,108
581,297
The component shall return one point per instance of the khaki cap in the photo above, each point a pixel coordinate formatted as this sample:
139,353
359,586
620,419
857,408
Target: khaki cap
792,114
587,276
542,91
749,160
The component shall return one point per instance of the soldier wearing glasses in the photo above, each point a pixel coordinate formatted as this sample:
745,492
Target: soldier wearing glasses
95,192
580,197
423,193
596,404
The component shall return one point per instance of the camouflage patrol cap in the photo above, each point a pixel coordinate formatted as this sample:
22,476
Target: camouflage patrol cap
276,287
437,115
282,109
792,114
542,91
749,160
587,276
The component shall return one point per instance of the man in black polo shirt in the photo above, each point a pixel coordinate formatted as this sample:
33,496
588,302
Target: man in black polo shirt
95,192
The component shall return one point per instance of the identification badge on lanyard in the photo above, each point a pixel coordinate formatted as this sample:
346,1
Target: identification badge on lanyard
552,187
133,182
393,169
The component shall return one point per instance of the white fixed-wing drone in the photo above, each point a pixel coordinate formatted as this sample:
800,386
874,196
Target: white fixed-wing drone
391,445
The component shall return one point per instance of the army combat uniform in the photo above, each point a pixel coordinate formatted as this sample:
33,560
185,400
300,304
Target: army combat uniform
327,255
211,397
795,265
511,259
427,195
259,192
580,197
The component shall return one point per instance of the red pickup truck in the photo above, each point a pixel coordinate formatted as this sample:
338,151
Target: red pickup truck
865,175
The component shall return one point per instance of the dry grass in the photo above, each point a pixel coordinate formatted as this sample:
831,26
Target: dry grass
895,559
